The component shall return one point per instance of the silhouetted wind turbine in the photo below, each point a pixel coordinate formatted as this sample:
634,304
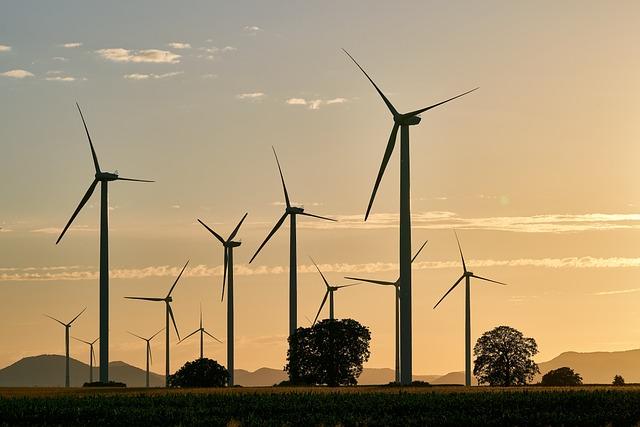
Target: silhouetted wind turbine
168,314
466,275
202,332
103,178
402,121
290,211
92,355
328,294
67,327
397,287
228,246
149,359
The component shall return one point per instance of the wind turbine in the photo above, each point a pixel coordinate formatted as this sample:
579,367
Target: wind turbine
292,212
228,246
402,121
103,178
466,275
67,327
397,287
329,293
92,355
148,341
168,314
202,332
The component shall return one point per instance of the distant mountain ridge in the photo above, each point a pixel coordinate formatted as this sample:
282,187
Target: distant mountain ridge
48,371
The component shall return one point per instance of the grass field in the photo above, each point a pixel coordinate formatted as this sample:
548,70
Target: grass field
452,406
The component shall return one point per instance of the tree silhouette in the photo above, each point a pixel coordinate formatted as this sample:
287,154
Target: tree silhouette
618,380
564,376
330,352
200,373
503,357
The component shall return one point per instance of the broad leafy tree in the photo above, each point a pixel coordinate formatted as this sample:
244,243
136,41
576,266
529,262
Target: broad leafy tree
504,357
200,373
563,377
331,352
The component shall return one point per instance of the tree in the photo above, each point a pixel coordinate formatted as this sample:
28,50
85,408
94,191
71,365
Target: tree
330,352
503,357
200,373
563,377
618,380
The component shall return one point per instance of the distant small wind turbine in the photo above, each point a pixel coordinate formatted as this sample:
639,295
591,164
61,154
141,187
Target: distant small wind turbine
103,178
397,286
92,355
168,314
67,327
402,121
149,359
228,246
328,294
466,275
202,332
290,211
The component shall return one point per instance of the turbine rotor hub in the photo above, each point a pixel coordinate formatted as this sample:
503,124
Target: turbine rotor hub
106,176
295,210
407,120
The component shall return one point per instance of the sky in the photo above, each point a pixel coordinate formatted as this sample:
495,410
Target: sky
537,170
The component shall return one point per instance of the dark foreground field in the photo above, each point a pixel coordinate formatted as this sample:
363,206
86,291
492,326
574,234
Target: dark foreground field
453,406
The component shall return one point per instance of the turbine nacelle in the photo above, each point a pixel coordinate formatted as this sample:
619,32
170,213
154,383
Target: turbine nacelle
407,120
106,176
294,210
232,244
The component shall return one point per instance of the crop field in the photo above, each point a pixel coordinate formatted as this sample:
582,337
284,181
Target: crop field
451,406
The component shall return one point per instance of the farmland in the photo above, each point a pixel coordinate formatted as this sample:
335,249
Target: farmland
452,406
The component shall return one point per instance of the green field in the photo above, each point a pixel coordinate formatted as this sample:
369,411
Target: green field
452,406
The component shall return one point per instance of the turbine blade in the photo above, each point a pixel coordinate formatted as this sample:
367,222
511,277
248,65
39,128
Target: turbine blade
53,318
212,336
95,341
177,278
419,250
138,336
173,320
93,151
154,335
384,98
346,286
324,300
200,315
375,282
84,200
385,160
284,187
317,268
422,110
192,333
488,280
452,288
93,353
74,319
149,350
275,228
464,266
317,216
146,298
224,276
219,237
235,230
134,180
78,339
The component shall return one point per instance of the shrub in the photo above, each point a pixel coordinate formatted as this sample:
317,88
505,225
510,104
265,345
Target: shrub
618,380
563,377
200,373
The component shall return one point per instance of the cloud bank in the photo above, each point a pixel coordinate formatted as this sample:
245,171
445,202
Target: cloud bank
145,55
17,74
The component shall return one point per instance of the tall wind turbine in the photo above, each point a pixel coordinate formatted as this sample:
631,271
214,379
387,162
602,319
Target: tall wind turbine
148,341
228,246
466,275
168,314
292,212
397,287
202,332
103,178
328,294
92,355
402,121
67,327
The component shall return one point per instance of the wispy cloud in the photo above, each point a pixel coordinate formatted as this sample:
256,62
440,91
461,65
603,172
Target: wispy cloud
213,52
315,104
296,203
179,45
209,76
621,291
252,96
72,45
17,74
60,58
145,55
138,76
58,76
252,29
549,223
57,230
8,274
5,48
